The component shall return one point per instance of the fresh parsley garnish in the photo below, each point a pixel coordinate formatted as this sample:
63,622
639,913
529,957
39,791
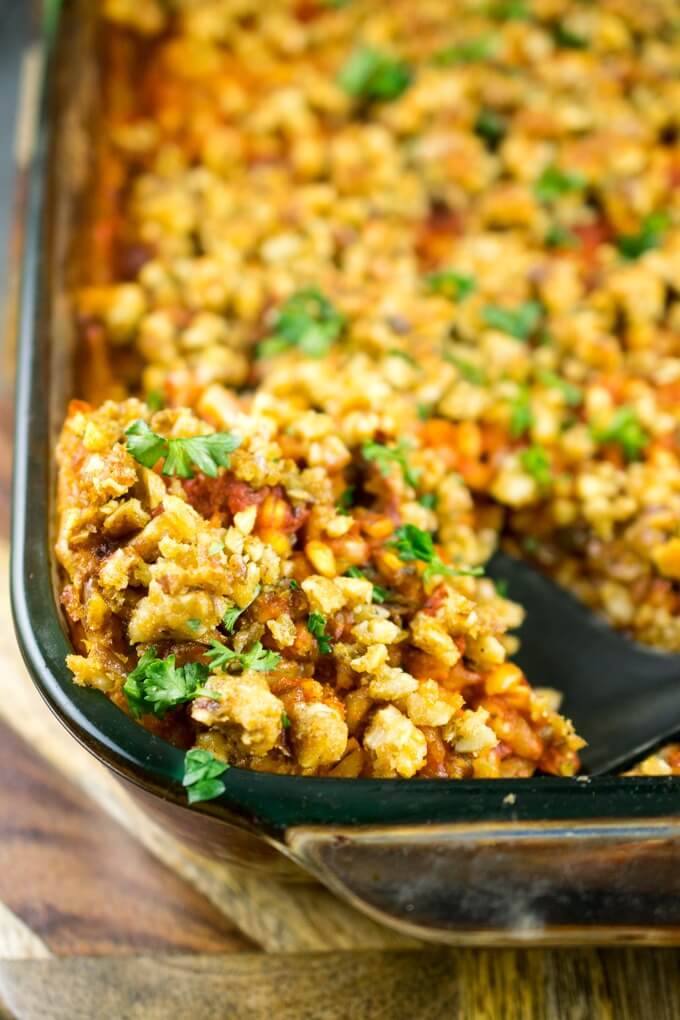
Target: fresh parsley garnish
373,75
451,283
428,500
491,127
230,617
536,462
509,10
558,236
293,585
346,500
379,594
201,770
518,322
194,623
207,453
155,685
555,182
385,456
256,657
568,39
154,400
404,355
626,431
306,321
285,721
521,414
413,543
232,614
316,625
467,371
649,236
467,52
501,586
571,393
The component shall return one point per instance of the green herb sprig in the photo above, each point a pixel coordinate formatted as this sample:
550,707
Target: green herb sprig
372,75
536,461
386,456
626,431
412,543
554,182
155,685
470,51
256,657
572,394
207,453
201,770
316,625
650,235
521,413
308,322
518,322
452,284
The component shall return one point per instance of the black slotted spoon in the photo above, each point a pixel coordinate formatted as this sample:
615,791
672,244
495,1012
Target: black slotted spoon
623,699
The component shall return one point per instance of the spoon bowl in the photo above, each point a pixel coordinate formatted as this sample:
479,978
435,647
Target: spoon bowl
623,698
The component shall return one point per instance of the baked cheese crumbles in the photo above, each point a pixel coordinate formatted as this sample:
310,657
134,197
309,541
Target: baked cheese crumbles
237,609
440,259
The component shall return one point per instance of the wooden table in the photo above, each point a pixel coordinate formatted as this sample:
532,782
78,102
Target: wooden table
102,916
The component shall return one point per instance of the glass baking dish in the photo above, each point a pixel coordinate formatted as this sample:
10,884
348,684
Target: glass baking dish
481,862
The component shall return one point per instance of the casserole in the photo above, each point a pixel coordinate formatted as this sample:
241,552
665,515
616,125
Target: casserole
504,861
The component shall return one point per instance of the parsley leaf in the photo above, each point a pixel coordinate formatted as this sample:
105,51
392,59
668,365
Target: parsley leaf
207,453
554,182
521,414
568,39
536,462
649,236
316,625
285,721
379,594
428,500
413,543
518,322
558,236
346,500
467,52
626,431
230,617
256,657
134,685
372,75
466,369
201,770
155,685
306,321
509,10
145,446
385,456
501,586
491,127
452,284
154,400
571,393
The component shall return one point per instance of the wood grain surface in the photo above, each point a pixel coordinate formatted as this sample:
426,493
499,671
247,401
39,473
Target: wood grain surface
419,985
83,884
